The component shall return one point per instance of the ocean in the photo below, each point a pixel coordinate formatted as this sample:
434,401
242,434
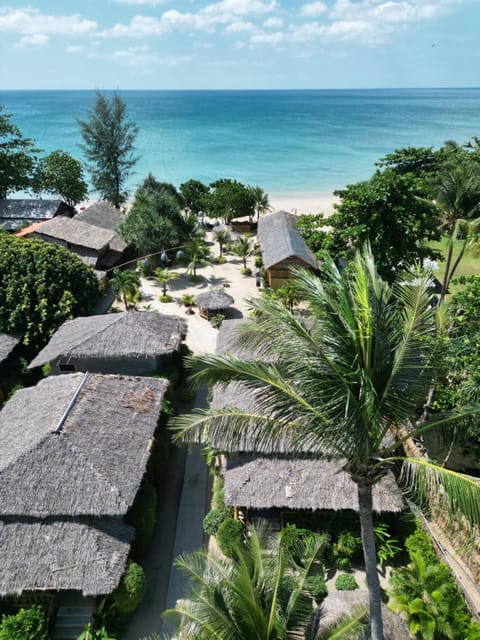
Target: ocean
287,142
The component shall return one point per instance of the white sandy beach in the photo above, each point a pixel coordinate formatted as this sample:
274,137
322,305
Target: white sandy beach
298,204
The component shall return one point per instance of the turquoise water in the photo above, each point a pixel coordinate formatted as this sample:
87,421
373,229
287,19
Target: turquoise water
288,142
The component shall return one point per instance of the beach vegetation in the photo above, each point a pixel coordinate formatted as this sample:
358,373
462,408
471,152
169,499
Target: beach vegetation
223,237
154,222
194,196
164,276
41,286
17,157
61,175
259,592
345,582
125,285
197,253
261,202
109,146
230,199
343,381
243,249
27,624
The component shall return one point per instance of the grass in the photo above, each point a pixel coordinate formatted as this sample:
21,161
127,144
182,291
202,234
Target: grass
469,265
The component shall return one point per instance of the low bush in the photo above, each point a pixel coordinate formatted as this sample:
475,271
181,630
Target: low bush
229,536
246,272
27,624
344,564
214,519
129,593
348,545
258,262
291,538
346,582
317,587
216,320
166,298
420,541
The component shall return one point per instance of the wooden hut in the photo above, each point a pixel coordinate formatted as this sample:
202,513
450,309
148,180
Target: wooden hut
131,343
16,213
74,452
213,302
282,247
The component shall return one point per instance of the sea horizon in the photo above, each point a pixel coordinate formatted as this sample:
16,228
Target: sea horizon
287,141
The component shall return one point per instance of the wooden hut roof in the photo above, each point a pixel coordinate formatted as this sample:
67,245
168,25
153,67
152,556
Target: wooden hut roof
214,299
14,212
280,240
300,483
77,444
131,334
76,232
8,344
87,555
101,214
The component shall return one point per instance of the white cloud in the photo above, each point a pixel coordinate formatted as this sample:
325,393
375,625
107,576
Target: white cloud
141,56
74,49
240,7
139,27
273,23
313,9
30,22
35,40
236,27
151,3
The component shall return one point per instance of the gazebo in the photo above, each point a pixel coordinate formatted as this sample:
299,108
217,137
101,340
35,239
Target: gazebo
213,302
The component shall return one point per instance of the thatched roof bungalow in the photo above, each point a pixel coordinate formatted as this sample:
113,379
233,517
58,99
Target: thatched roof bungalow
7,344
282,247
16,213
74,452
269,477
213,302
131,343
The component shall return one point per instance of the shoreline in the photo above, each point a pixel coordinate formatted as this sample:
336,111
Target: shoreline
299,203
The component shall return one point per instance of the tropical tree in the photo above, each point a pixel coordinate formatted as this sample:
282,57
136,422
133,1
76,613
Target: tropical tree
260,594
109,146
262,205
457,196
194,195
223,237
230,199
164,276
125,285
62,175
243,249
341,382
197,253
17,157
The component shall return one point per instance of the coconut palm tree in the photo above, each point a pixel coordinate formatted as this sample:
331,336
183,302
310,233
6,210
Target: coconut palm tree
457,195
223,238
243,249
164,276
198,254
260,594
340,381
125,285
262,205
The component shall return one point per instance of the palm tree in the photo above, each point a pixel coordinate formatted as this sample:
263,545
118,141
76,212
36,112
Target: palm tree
125,285
164,276
260,594
457,194
262,205
339,382
198,254
243,249
223,238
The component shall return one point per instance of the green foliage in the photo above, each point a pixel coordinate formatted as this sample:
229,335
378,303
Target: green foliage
17,157
194,195
260,198
217,320
129,593
243,248
348,545
42,285
291,538
258,262
288,294
420,542
164,276
345,582
223,237
230,199
61,175
109,146
154,221
198,255
387,546
125,285
473,631
142,517
95,634
230,536
214,519
317,587
188,299
246,272
27,624
165,298
46,369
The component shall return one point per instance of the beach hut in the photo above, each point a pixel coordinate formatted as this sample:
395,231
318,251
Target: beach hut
282,247
16,213
74,452
131,343
8,344
213,302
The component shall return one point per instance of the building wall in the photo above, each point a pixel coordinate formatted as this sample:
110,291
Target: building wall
124,366
280,273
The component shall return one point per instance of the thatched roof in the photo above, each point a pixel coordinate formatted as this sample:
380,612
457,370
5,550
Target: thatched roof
8,344
87,555
213,300
105,216
15,212
300,483
74,450
127,335
76,232
280,240
338,604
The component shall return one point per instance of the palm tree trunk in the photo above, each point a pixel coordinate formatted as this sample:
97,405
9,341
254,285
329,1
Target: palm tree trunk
446,277
365,504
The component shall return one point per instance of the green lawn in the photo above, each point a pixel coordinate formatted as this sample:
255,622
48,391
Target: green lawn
469,265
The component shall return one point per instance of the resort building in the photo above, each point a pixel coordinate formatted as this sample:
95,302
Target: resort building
17,213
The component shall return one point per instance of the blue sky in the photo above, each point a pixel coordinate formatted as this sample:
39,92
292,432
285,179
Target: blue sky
238,44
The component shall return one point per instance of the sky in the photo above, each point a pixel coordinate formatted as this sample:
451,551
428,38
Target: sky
239,44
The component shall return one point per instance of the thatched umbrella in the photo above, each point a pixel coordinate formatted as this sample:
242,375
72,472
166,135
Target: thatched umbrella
212,302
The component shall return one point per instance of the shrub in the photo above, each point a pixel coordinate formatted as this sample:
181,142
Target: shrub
216,320
27,624
317,587
348,545
214,519
188,299
229,536
291,536
258,262
419,541
142,516
218,498
344,564
346,582
219,260
129,593
165,298
246,272
473,631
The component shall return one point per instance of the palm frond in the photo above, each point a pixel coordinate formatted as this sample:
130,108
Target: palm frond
350,627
